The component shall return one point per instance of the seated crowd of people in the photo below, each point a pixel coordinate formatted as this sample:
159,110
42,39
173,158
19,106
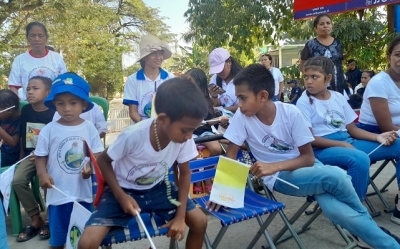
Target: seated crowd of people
311,142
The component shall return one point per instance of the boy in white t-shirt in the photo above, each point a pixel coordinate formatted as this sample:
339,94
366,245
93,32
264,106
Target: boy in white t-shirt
95,116
135,168
60,153
281,143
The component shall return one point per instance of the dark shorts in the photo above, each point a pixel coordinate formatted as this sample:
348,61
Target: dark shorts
110,213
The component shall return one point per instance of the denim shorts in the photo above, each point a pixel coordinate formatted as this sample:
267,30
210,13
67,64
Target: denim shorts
154,201
59,216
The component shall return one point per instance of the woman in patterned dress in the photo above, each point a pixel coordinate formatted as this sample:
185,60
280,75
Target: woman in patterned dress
326,45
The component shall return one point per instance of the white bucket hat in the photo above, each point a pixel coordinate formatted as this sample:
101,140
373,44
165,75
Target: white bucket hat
150,44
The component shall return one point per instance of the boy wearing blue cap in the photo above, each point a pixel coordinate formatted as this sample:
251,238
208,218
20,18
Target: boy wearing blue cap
60,157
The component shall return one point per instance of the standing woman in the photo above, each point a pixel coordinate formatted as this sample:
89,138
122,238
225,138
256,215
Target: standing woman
39,61
266,61
224,67
325,45
141,86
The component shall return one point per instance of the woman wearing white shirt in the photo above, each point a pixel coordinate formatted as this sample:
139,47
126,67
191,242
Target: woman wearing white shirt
380,110
39,61
140,87
266,60
224,67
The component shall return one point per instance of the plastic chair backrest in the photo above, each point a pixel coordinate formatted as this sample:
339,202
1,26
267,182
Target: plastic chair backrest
22,103
103,103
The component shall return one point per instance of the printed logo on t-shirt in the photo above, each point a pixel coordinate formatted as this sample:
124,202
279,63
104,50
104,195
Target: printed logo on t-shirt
226,100
333,120
156,173
276,146
32,134
70,154
43,71
146,103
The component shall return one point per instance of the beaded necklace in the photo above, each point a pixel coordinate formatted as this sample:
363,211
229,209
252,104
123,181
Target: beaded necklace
165,165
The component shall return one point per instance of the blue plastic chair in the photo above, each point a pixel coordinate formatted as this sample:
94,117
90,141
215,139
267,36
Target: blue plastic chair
247,157
254,205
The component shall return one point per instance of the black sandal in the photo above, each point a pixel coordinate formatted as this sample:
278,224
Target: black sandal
44,231
29,231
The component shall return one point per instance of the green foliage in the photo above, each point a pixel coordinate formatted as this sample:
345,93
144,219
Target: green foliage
91,35
189,57
245,25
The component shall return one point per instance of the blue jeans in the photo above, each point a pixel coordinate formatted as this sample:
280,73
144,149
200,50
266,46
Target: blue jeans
370,128
356,161
3,232
333,190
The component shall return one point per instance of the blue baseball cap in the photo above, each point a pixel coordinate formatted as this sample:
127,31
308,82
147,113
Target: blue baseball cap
292,81
69,83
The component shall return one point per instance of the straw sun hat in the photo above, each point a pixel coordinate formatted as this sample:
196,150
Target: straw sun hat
150,44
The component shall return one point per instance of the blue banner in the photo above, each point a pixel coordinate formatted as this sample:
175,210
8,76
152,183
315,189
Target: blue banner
332,6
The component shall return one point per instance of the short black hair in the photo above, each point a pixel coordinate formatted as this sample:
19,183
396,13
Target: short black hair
258,78
179,98
8,98
351,61
355,101
39,24
47,82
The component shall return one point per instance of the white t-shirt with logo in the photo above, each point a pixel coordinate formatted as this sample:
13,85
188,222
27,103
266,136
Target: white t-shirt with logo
137,165
65,151
278,78
139,90
326,116
25,66
228,98
381,86
94,115
271,143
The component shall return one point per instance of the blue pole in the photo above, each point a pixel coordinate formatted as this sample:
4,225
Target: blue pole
397,18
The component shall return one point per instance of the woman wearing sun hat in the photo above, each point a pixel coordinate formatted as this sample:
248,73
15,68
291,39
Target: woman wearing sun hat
224,67
141,86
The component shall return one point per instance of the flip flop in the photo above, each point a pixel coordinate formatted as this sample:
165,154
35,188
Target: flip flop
44,232
29,231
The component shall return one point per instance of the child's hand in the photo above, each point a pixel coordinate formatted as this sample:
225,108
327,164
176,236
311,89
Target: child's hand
260,169
224,119
32,157
177,228
387,138
86,171
128,204
46,181
346,144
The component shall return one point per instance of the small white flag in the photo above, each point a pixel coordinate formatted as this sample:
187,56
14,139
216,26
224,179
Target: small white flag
5,186
79,217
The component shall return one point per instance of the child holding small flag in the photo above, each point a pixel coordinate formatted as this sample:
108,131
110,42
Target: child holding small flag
60,153
135,168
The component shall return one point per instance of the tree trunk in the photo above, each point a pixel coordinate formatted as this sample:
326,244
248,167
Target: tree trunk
390,18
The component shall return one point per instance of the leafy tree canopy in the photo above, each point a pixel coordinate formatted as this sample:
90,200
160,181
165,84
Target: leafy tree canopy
91,35
244,25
